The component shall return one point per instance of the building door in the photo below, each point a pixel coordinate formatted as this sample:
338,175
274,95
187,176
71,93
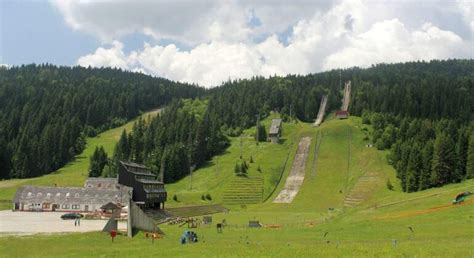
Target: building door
86,208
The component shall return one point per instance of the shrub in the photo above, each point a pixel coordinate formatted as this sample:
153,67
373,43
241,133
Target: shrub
208,197
389,185
175,198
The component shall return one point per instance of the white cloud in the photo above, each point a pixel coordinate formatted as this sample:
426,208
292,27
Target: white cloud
110,57
390,41
467,11
224,37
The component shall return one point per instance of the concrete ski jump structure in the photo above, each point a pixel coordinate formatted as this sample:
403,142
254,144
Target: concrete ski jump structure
296,177
322,110
347,96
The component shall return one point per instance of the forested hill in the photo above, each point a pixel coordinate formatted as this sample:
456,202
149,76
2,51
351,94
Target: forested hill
45,111
434,90
422,111
431,90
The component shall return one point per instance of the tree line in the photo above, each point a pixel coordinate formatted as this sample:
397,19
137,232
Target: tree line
425,153
47,111
181,137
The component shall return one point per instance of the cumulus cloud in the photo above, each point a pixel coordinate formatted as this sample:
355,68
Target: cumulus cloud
106,57
243,39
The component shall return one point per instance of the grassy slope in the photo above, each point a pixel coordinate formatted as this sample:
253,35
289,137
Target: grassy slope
441,229
74,173
215,177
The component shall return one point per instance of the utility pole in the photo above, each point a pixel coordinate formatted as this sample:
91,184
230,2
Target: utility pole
241,147
258,128
291,112
340,79
191,169
162,171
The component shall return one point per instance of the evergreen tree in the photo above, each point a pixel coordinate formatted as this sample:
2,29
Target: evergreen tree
98,160
262,134
444,160
470,158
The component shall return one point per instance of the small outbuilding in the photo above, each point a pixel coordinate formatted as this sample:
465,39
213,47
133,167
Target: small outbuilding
275,131
341,114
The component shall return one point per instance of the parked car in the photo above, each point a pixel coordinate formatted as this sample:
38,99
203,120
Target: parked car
71,216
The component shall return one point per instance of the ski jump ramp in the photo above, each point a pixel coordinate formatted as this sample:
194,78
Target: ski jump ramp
296,177
322,110
347,96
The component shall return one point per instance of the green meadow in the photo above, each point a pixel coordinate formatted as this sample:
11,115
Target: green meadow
316,224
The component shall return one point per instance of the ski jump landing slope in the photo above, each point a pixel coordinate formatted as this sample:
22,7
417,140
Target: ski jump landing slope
296,177
322,110
347,96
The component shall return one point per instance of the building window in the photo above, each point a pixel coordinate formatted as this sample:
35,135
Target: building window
29,194
68,194
75,206
48,195
39,194
65,206
58,194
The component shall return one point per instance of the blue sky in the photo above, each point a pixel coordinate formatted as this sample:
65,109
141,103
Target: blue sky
207,42
34,32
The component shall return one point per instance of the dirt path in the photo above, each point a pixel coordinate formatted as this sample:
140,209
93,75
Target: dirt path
296,177
404,214
322,110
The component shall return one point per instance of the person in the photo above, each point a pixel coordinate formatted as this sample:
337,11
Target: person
79,221
75,222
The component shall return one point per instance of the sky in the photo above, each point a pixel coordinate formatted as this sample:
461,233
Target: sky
208,42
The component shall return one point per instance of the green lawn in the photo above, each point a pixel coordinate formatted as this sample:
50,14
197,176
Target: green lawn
306,227
74,173
215,177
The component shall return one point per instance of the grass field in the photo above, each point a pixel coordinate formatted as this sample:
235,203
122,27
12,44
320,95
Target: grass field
74,173
316,224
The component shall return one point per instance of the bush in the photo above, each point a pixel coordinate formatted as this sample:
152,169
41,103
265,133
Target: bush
389,185
202,197
259,169
237,168
251,159
175,198
208,197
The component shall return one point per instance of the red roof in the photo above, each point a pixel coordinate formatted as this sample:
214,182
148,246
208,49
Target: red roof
341,112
